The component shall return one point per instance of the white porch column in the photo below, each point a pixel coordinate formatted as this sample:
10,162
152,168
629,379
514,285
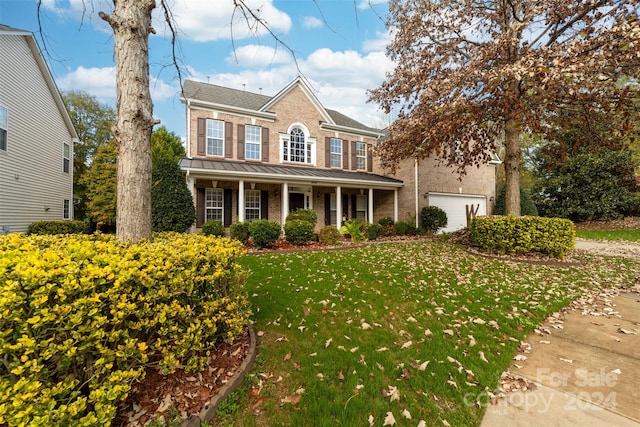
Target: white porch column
395,205
285,202
191,185
338,207
241,201
370,206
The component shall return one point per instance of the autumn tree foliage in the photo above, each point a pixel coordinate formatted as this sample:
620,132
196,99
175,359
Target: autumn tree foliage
472,74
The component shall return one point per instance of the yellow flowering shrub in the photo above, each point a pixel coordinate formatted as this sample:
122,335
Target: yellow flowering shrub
82,316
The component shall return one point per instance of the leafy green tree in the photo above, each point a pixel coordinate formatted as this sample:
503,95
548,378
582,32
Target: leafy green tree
171,201
590,185
527,206
165,144
93,122
100,182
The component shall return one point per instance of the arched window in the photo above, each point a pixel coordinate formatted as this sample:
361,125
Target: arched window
297,148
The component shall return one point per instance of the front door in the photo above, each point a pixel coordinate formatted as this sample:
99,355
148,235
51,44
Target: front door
296,201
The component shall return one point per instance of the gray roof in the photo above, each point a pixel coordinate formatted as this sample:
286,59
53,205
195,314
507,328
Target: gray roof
252,101
240,169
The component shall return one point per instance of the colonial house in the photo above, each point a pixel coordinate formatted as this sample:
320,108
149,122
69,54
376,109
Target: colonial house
252,156
36,137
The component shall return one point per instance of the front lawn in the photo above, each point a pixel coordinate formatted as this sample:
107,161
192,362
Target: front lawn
410,331
632,235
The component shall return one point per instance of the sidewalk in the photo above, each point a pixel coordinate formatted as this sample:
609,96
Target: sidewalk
587,370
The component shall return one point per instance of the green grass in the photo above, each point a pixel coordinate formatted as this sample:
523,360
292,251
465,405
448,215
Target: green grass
311,312
628,235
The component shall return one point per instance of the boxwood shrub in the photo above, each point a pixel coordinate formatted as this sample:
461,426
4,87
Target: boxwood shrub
328,235
433,218
213,228
374,231
57,227
298,231
83,316
264,233
518,235
386,221
240,231
303,214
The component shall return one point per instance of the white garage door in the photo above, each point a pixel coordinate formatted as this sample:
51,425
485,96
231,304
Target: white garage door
454,206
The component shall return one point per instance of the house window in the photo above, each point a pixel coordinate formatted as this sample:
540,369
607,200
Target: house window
336,153
252,205
66,209
3,128
215,137
214,204
252,142
361,207
332,209
361,155
297,148
66,156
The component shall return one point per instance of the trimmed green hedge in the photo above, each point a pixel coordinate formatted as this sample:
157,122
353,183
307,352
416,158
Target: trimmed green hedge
58,227
240,231
518,235
328,235
298,231
83,316
213,228
374,231
264,233
304,215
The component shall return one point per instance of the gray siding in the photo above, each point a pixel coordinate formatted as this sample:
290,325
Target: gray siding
32,182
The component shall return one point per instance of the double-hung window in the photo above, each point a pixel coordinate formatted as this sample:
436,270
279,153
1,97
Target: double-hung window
333,209
361,155
215,137
66,209
66,157
297,148
336,152
252,205
214,204
4,113
252,142
361,207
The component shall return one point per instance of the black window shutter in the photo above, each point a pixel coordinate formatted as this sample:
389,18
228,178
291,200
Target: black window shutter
240,142
327,209
200,196
202,136
354,159
227,207
345,154
265,144
369,158
354,212
228,140
264,205
327,152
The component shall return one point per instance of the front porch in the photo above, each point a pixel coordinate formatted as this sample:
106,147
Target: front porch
237,191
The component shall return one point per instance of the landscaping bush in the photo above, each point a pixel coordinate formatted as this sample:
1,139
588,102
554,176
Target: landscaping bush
240,231
304,215
517,235
57,227
213,228
386,221
264,233
88,314
355,229
402,228
171,201
374,231
432,218
298,231
328,235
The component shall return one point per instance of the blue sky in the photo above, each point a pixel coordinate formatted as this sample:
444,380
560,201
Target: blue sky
338,44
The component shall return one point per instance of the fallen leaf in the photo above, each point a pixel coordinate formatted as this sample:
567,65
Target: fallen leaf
482,357
393,393
389,420
382,349
423,366
479,321
365,325
422,423
520,357
340,376
407,344
453,383
448,332
327,343
371,420
287,356
626,331
566,360
406,414
427,333
446,423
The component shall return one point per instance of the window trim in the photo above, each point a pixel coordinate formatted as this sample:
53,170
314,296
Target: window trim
248,142
66,157
339,145
258,196
207,208
214,138
4,120
361,198
310,146
66,209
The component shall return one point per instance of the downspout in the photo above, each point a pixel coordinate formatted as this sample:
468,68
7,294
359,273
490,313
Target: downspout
188,128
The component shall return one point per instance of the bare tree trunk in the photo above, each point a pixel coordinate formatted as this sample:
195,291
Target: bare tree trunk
512,167
131,24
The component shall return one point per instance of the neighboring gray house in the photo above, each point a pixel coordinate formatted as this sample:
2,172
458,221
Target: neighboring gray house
36,137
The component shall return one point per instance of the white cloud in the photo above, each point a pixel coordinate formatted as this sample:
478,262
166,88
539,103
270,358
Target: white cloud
258,56
363,4
311,22
99,82
215,20
348,68
379,43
